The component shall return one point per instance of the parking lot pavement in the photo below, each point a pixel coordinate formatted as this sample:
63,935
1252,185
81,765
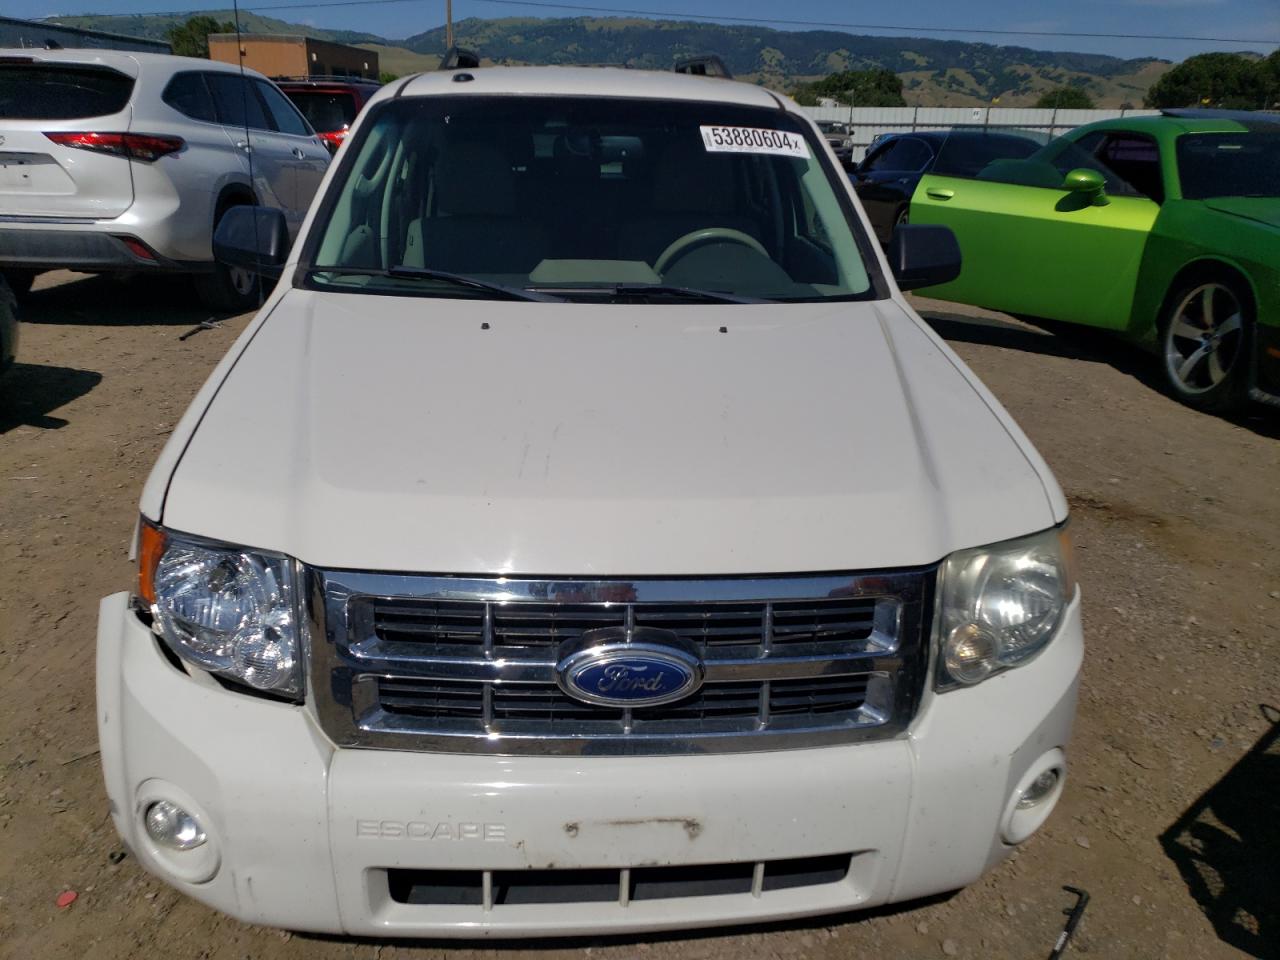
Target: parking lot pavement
1171,812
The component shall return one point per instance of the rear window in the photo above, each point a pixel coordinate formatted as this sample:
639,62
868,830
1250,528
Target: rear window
1229,164
47,92
326,112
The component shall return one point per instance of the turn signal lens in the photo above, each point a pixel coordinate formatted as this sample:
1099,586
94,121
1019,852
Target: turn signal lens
970,653
151,542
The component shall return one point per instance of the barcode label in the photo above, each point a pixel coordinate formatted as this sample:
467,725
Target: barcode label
754,140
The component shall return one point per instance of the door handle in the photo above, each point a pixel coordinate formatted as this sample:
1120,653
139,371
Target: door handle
937,193
297,152
244,145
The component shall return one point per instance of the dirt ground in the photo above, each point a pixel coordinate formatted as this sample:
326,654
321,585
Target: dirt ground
1171,818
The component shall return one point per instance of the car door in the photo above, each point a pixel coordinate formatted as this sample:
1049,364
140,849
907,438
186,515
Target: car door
885,180
244,119
1033,247
308,156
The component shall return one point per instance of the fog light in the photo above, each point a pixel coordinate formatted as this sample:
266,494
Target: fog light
1040,788
171,826
970,653
1033,797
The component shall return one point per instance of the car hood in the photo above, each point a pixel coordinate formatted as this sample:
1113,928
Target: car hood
1260,209
443,436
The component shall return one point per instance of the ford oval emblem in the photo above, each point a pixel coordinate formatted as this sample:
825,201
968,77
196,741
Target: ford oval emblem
641,668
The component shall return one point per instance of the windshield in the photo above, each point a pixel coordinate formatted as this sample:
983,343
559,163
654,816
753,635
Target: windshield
327,112
1229,164
588,197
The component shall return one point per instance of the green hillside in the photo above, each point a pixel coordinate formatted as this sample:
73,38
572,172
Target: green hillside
934,72
155,26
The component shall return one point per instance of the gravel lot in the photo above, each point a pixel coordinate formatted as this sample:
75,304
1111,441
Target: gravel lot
1172,814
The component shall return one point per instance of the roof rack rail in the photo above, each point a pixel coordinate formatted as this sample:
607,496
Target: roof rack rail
459,58
704,66
325,78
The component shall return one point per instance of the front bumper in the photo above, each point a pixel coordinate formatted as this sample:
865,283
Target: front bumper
302,835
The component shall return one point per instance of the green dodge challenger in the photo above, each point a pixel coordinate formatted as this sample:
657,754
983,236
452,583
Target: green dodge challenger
1165,229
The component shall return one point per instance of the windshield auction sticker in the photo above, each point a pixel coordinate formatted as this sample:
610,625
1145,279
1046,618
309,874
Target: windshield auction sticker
754,140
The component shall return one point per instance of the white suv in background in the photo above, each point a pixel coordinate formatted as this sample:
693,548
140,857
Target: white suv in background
125,162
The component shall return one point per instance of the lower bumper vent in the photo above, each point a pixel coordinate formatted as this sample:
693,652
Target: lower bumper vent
499,888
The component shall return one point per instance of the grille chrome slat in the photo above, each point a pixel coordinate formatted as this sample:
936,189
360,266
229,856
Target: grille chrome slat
543,671
468,665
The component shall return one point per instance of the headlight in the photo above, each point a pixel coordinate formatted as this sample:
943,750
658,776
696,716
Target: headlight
999,606
227,610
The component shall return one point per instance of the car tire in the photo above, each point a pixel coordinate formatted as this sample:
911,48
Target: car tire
20,281
229,289
1206,343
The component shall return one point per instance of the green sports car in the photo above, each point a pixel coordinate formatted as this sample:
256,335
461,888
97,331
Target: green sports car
1165,229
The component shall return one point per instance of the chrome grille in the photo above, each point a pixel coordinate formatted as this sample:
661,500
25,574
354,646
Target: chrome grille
468,665
434,699
517,626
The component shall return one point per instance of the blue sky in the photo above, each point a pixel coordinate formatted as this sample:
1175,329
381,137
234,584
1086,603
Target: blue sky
1256,20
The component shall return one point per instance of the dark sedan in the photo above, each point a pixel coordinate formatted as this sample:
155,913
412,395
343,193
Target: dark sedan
892,168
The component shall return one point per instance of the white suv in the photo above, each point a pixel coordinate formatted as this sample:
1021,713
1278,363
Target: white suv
587,537
114,161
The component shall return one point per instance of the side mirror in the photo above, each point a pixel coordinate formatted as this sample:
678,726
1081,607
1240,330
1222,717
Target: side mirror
923,255
1087,183
252,238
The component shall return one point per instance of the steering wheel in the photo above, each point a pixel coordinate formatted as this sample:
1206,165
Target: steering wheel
700,238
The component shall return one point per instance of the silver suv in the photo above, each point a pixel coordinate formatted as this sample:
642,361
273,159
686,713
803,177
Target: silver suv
125,162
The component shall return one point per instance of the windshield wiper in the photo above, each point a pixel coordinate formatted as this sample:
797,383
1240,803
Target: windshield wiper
660,290
404,272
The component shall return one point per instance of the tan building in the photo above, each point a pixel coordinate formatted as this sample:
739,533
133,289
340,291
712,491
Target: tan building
291,56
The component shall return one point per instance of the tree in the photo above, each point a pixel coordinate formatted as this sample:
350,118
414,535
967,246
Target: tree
858,88
1272,67
1216,80
1065,98
191,39
385,77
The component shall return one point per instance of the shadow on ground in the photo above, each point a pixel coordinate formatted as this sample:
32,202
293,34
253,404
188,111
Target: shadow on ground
1081,343
108,301
994,332
1227,847
30,392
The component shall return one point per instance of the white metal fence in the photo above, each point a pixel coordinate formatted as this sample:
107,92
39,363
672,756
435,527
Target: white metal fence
868,122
